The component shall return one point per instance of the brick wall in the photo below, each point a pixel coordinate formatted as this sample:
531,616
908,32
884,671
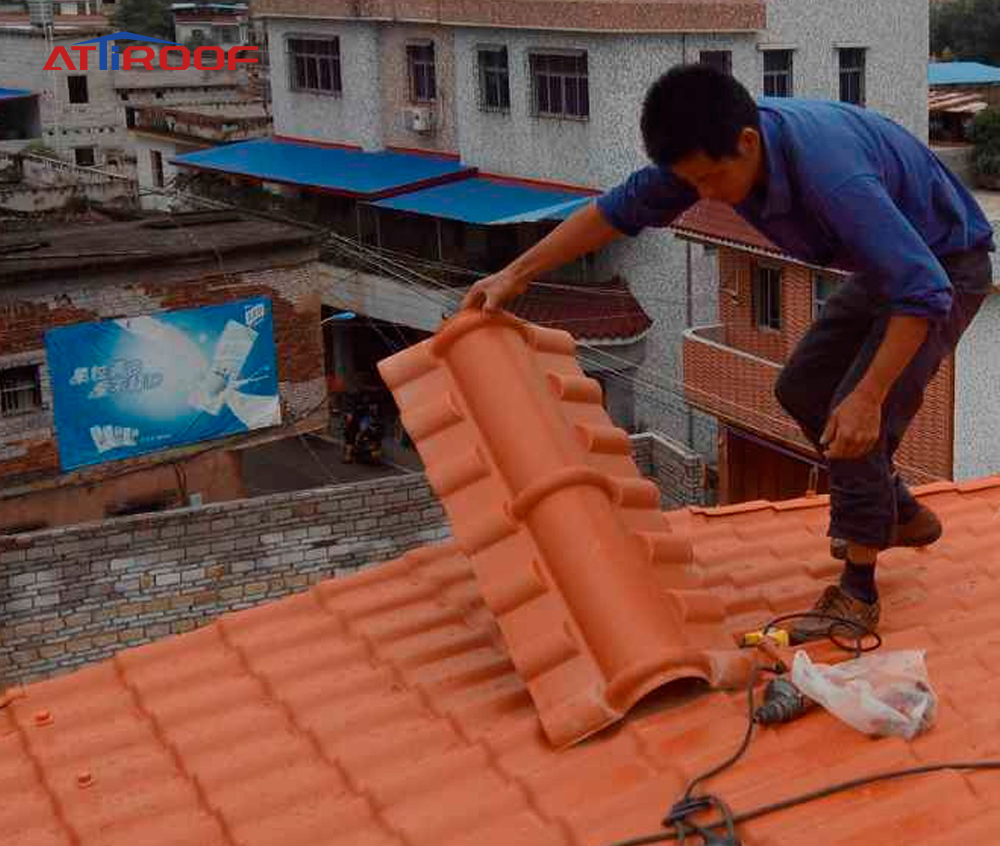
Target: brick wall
27,442
679,472
736,307
75,595
740,389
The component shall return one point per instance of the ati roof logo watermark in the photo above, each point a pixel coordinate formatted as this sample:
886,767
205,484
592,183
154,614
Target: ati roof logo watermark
144,56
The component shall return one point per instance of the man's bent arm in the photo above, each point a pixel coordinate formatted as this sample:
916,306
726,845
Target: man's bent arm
903,338
584,232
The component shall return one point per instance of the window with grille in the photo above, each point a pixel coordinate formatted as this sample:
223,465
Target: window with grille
315,65
767,297
852,75
494,79
560,86
84,156
823,287
77,86
719,59
423,77
228,34
20,390
778,73
156,166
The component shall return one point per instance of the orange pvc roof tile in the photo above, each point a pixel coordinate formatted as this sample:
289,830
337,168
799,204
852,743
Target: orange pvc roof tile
595,594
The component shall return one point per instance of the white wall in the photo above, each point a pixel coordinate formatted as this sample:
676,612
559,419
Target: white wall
977,396
895,33
353,118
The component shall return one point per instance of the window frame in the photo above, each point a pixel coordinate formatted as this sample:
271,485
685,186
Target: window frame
421,72
8,387
847,72
772,75
296,49
556,80
773,319
727,55
502,82
79,80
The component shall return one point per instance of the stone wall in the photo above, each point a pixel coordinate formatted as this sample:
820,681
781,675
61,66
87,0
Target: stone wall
75,595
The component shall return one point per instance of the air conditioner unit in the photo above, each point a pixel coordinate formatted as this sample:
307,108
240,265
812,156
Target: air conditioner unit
420,119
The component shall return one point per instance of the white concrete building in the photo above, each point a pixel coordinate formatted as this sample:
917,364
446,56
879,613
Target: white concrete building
470,78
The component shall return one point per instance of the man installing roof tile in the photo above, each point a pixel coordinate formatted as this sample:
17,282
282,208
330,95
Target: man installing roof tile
832,185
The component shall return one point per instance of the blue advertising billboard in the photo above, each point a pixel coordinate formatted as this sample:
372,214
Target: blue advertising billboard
137,385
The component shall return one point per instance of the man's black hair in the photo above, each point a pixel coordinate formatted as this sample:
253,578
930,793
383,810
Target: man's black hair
695,108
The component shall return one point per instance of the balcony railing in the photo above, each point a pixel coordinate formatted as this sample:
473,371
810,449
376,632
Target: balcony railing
219,128
735,386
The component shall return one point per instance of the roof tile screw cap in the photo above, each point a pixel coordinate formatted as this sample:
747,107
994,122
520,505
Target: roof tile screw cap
43,718
85,780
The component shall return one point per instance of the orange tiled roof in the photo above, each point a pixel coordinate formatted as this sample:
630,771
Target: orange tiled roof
609,312
384,709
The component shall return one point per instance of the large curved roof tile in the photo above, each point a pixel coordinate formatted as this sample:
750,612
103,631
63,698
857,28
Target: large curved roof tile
597,598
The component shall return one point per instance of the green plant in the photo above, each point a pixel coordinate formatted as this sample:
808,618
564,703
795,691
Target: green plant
985,136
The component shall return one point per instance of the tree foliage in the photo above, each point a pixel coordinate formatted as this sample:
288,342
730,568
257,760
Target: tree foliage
144,17
985,135
967,30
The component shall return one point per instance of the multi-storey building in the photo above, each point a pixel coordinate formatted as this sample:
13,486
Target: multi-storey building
551,92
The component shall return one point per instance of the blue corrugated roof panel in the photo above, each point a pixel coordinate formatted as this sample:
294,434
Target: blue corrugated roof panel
961,73
13,93
488,201
345,171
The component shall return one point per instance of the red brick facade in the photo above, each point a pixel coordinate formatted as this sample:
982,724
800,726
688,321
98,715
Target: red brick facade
28,447
730,371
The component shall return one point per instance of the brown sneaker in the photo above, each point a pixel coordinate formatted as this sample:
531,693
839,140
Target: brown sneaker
837,603
922,530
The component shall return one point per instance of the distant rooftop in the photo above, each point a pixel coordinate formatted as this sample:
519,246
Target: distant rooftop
962,73
44,252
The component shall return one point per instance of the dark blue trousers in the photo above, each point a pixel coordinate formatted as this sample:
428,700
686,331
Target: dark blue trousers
867,497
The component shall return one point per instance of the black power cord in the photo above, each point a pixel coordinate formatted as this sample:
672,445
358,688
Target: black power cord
721,831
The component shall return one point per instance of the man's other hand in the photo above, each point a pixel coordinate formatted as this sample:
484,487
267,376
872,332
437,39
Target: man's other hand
492,292
854,426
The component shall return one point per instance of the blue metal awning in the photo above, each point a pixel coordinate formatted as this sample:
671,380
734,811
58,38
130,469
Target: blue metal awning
487,201
962,73
14,93
338,170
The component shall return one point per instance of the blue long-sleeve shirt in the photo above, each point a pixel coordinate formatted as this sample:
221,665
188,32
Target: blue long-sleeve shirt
846,188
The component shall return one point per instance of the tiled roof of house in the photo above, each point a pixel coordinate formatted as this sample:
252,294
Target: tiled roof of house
399,706
718,222
609,312
384,709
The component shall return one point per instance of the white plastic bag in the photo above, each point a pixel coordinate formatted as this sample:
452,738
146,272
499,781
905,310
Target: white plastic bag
885,693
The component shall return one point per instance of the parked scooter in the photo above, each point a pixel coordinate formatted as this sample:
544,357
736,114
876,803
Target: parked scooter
363,433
